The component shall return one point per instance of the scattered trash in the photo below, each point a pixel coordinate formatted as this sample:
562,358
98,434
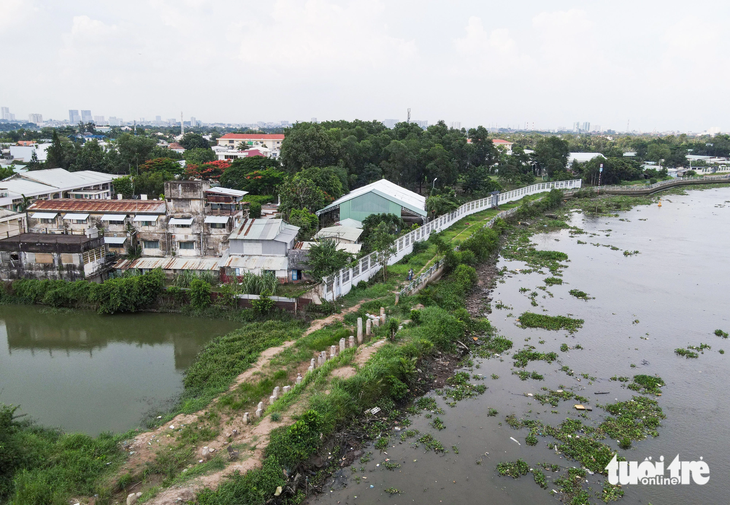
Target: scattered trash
373,410
601,392
278,491
515,440
578,406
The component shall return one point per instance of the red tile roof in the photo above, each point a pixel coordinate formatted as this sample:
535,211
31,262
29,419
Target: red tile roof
253,136
500,141
175,145
97,206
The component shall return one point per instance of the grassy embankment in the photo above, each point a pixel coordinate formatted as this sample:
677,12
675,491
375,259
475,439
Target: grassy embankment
39,479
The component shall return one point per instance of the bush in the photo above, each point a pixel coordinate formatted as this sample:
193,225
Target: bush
264,304
254,210
292,445
199,294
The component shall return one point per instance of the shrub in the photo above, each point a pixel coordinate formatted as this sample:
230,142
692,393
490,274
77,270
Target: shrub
292,445
199,294
264,304
254,210
416,316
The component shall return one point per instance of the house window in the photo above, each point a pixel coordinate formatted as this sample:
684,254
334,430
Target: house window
48,221
186,245
218,226
151,244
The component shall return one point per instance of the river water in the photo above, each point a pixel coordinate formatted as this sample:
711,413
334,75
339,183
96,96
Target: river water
674,293
89,373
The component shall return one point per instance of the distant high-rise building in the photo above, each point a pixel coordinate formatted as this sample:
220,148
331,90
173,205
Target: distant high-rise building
99,119
115,121
35,118
74,117
193,121
422,123
86,116
285,123
5,113
390,123
576,126
456,125
314,120
158,119
586,127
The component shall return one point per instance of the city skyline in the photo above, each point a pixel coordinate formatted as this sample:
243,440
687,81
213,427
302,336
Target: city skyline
659,69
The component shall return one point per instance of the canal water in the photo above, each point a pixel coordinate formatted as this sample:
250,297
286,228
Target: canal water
672,294
88,373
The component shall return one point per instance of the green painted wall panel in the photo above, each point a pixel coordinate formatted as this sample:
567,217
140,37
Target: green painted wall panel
363,206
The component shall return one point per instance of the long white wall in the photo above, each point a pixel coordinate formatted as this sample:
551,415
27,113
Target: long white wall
340,283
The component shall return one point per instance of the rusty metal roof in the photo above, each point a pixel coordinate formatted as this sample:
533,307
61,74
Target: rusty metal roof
256,263
176,263
100,206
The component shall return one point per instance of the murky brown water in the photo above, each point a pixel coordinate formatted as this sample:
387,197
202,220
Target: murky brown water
678,289
90,373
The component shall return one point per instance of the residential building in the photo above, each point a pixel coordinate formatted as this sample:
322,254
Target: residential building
174,146
44,256
380,197
5,113
228,154
54,183
12,223
99,120
74,117
86,116
261,245
582,157
271,141
25,152
341,234
35,118
504,145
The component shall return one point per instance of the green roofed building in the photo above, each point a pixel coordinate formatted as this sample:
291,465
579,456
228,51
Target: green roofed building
380,197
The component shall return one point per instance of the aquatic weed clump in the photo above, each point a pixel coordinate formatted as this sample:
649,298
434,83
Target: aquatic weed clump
553,323
647,384
721,333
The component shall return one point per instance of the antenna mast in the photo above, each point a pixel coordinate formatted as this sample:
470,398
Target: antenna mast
409,115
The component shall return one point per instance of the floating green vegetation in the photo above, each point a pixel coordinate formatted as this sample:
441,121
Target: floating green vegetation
636,419
392,490
611,492
721,333
500,305
513,422
571,487
540,479
382,443
390,465
630,253
620,379
426,403
532,320
531,439
580,294
438,424
492,412
686,353
431,444
524,375
528,354
564,348
492,345
515,469
552,281
700,348
520,248
647,384
367,457
554,397
495,376
461,388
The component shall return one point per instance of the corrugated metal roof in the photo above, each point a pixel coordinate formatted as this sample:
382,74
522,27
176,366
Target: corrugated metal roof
227,191
352,223
340,232
257,229
253,136
98,206
113,217
115,240
181,221
176,263
63,179
44,215
217,219
75,217
389,191
341,246
256,263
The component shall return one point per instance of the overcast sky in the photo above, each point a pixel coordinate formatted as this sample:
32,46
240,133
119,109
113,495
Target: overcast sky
662,65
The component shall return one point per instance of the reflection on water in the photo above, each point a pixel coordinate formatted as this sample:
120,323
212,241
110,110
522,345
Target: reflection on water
91,373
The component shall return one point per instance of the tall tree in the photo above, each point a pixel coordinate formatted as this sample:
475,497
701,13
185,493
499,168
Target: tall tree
551,154
324,259
309,145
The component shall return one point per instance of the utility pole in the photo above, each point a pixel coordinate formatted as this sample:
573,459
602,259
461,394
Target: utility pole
182,125
409,115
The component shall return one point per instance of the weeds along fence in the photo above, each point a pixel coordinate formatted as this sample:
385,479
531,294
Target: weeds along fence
340,283
658,186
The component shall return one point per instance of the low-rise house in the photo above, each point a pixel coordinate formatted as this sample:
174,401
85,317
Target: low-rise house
380,197
46,256
12,223
53,183
341,234
269,144
260,245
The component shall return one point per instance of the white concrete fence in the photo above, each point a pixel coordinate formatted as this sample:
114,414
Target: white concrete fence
340,283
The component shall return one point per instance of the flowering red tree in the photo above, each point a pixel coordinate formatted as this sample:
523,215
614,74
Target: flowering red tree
207,171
